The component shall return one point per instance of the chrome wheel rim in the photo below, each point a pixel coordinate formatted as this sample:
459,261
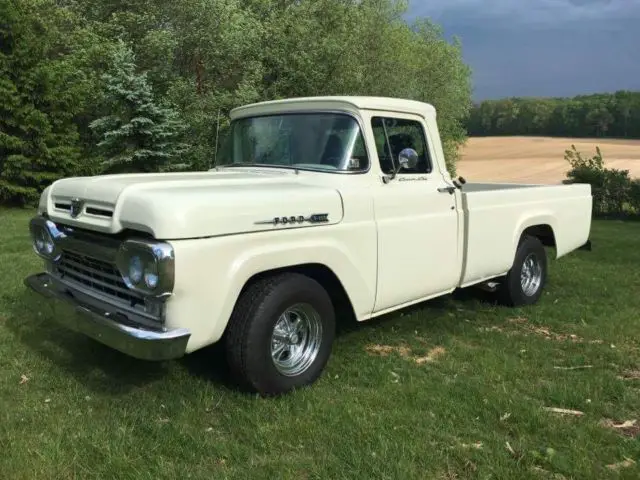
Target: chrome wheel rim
296,339
531,275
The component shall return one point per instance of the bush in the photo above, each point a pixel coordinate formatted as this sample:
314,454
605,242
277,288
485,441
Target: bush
614,193
634,195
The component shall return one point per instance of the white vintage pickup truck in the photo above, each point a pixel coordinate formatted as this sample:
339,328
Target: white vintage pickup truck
318,209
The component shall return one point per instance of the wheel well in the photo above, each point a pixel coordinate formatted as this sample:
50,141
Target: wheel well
324,276
543,232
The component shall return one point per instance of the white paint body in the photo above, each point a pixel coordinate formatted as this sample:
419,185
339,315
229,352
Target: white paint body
390,244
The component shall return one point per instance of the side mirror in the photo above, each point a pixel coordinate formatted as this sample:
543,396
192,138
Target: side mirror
408,158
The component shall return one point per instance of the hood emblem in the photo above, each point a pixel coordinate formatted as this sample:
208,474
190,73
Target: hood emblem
76,207
314,218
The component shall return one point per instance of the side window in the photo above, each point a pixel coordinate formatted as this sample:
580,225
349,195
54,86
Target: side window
359,158
395,134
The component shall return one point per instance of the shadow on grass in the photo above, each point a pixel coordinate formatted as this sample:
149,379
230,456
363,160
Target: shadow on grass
100,368
435,309
210,364
108,372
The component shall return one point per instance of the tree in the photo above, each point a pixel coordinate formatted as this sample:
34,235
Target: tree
600,119
40,92
62,115
601,115
138,135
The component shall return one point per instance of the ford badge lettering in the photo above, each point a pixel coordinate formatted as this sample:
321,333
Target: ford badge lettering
314,218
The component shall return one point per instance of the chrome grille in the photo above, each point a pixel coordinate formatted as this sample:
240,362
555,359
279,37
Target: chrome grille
98,276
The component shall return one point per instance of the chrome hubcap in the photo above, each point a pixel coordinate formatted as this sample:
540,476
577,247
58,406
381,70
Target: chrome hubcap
531,275
296,339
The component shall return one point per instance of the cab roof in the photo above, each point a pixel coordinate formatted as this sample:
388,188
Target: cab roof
336,102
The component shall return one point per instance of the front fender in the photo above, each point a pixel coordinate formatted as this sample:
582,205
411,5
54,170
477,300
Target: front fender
211,273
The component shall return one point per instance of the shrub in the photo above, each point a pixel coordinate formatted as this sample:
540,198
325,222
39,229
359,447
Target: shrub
614,192
634,195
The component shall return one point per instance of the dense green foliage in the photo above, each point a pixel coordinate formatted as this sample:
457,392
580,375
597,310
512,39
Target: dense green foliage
615,194
67,108
599,115
137,135
41,90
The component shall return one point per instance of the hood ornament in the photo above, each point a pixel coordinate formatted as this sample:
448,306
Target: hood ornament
76,207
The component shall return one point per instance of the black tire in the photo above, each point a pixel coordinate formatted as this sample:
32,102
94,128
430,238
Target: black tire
512,291
251,326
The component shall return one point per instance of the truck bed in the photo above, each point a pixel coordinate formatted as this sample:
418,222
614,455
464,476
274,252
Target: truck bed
496,214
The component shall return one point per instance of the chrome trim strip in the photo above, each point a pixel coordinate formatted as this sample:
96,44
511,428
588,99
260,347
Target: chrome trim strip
113,329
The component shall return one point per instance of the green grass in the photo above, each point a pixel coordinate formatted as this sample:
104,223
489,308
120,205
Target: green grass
89,412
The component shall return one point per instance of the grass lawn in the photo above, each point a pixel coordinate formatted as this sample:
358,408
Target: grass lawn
456,388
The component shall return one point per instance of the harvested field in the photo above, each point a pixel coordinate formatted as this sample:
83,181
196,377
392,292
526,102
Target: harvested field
539,159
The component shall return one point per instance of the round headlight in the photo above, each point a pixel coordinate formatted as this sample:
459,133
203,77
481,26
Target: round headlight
46,238
135,269
147,266
151,276
40,240
48,245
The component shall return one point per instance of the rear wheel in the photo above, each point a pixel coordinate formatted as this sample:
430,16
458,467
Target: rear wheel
280,334
526,279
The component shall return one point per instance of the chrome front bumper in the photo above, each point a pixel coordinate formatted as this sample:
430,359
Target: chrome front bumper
110,328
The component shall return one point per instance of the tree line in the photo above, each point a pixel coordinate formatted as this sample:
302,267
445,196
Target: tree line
90,87
614,115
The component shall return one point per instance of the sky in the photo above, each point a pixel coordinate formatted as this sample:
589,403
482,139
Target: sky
542,47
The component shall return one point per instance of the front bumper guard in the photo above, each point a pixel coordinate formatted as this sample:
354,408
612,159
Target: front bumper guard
103,326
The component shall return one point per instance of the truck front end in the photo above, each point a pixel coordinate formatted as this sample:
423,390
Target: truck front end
110,288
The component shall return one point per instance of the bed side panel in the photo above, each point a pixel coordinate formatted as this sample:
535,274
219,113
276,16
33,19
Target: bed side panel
495,220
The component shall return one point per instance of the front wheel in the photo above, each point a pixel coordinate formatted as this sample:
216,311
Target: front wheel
280,334
527,277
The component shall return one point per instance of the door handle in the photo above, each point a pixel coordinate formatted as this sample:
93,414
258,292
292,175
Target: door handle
448,190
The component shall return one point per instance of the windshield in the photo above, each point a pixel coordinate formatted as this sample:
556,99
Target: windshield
317,141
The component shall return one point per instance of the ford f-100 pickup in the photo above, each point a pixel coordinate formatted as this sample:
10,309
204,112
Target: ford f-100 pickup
317,208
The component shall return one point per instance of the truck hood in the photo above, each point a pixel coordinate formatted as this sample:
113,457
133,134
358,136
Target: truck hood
192,204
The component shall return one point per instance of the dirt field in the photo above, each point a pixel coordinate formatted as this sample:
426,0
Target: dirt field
539,159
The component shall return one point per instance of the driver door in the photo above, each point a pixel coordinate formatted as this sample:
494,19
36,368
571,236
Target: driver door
417,224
